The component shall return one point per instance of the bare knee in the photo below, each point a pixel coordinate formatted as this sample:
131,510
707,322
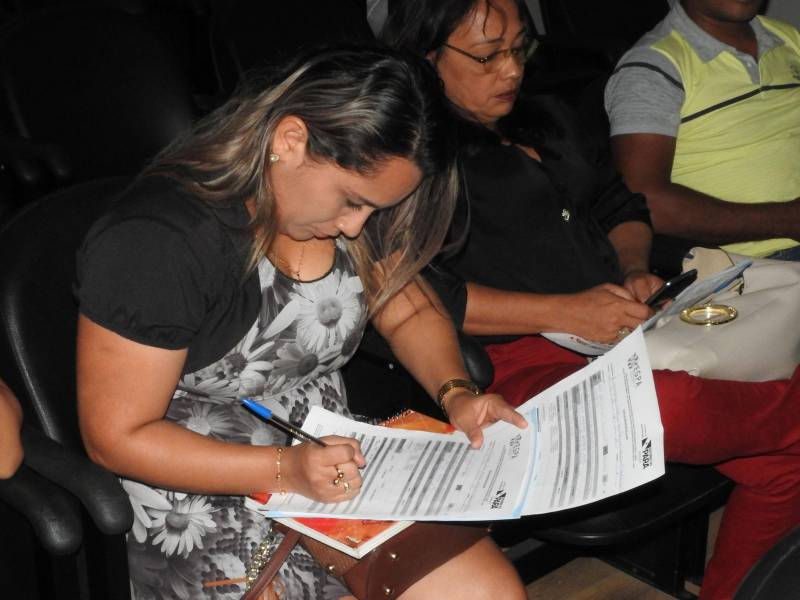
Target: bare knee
482,572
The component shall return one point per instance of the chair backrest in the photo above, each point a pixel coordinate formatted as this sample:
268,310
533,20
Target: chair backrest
623,20
95,82
38,313
253,34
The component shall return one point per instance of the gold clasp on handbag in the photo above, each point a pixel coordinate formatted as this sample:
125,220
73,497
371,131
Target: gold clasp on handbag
708,314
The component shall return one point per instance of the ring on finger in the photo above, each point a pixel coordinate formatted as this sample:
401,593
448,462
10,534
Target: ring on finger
346,486
622,332
339,476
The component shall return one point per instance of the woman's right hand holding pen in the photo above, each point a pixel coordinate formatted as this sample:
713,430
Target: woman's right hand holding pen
325,474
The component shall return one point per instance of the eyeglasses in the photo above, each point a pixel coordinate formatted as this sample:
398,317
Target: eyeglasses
493,61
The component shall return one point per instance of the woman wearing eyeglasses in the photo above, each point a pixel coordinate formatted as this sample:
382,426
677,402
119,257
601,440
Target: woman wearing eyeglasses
554,241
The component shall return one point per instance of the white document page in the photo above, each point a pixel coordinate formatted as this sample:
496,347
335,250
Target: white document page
598,432
592,435
415,475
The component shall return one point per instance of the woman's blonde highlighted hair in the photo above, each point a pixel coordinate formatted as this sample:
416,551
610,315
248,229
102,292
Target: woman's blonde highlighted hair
361,106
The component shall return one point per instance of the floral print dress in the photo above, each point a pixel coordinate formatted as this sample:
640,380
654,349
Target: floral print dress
194,546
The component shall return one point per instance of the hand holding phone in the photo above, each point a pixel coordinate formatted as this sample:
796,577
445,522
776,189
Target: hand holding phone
671,288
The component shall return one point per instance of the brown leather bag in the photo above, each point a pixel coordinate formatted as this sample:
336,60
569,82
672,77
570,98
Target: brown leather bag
387,571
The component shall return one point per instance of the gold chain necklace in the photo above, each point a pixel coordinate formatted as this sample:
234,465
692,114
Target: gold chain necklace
295,273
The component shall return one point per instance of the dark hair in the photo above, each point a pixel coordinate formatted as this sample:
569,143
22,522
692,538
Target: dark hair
423,26
361,106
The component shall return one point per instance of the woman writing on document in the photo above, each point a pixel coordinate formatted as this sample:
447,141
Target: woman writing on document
244,262
553,243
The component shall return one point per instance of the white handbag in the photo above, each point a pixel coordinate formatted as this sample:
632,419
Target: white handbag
761,343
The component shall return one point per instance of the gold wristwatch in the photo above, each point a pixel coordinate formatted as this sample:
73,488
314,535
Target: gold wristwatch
453,384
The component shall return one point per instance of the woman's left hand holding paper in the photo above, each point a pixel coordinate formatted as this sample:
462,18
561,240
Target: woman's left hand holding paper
470,413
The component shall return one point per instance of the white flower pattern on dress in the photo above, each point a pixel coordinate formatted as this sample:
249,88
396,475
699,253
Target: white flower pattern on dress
183,526
143,497
329,310
207,419
194,546
207,385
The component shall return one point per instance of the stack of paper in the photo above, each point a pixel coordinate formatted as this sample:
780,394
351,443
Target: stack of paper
593,435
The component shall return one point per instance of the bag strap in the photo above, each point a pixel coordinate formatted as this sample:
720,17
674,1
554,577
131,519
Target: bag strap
269,571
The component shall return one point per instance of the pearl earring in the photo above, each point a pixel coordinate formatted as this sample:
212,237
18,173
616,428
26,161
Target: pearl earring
273,158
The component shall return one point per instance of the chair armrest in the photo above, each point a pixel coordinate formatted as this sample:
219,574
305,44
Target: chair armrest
476,360
608,49
34,164
53,513
99,490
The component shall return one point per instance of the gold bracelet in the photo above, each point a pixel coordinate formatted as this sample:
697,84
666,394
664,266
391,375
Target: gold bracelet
451,385
278,464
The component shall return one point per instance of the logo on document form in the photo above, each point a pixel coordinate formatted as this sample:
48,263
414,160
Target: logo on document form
635,369
647,453
499,498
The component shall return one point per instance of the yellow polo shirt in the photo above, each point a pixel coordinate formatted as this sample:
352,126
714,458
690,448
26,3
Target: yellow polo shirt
724,106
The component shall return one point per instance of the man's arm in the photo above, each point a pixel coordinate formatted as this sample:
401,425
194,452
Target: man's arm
645,161
643,99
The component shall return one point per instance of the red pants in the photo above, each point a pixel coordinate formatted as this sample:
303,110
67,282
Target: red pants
749,431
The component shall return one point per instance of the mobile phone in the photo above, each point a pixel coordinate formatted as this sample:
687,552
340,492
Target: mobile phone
672,288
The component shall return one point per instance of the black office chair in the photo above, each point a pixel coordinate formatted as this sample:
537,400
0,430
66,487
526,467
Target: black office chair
657,533
42,552
608,28
95,83
583,40
41,523
38,318
776,575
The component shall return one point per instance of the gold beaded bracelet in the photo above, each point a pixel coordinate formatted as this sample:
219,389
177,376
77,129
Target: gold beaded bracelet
278,465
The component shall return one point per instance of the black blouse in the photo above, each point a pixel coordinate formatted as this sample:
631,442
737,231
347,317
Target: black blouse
165,269
533,226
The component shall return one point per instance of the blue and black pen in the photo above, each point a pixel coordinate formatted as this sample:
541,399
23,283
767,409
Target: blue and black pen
283,425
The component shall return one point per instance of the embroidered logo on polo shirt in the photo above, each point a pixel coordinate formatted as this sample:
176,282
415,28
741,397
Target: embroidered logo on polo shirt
565,214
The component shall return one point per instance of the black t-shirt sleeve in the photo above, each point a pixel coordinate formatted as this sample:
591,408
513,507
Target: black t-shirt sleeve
616,204
143,279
